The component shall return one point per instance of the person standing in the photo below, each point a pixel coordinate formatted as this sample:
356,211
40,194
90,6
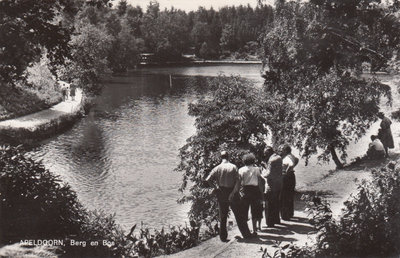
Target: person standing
385,133
226,177
72,92
249,175
272,172
289,161
64,89
260,204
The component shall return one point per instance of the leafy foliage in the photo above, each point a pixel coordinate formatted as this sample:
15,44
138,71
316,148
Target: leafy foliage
165,33
227,30
125,48
35,205
28,27
151,243
104,40
37,92
370,222
234,118
313,63
40,80
98,226
88,57
288,250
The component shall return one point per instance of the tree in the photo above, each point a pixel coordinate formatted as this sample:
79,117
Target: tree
165,33
125,49
234,118
134,18
227,41
90,47
199,35
122,7
28,27
204,51
149,26
313,58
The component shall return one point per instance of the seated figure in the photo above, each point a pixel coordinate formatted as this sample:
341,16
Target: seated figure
376,150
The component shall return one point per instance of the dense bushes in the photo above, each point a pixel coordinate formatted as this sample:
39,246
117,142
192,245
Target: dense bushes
18,101
369,225
34,205
153,243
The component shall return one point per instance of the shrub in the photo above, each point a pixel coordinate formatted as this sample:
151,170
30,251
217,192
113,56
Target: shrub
284,250
34,205
153,243
41,82
369,224
16,101
100,227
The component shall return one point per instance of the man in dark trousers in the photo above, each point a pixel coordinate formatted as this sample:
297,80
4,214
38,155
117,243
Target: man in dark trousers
225,179
273,175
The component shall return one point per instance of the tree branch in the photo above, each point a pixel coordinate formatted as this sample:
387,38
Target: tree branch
354,43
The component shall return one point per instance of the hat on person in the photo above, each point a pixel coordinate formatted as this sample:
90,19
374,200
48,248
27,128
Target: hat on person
224,154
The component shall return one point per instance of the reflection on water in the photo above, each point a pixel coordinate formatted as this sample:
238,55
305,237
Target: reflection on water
120,157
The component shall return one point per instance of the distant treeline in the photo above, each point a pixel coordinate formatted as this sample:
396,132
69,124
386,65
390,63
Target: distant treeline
78,40
169,33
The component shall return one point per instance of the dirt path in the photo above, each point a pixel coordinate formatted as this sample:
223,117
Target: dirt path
35,120
339,185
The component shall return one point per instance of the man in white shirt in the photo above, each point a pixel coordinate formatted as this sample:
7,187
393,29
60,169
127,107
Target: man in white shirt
226,177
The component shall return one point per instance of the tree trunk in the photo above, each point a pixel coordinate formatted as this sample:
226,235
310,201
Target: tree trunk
335,157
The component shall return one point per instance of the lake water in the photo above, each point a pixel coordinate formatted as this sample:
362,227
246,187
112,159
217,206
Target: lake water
120,157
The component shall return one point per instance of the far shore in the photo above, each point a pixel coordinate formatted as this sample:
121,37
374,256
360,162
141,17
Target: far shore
200,62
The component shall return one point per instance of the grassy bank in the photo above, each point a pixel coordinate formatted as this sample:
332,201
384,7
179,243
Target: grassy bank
44,123
17,101
37,91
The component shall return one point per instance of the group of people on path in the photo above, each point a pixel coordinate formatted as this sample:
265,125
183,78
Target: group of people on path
271,183
68,90
383,141
249,187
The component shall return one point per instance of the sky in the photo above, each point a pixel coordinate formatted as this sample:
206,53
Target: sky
192,5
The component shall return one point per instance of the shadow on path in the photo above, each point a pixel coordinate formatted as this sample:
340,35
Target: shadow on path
266,240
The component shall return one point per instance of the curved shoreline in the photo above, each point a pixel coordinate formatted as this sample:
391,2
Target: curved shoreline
44,123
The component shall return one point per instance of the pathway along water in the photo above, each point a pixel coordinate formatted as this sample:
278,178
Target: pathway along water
120,157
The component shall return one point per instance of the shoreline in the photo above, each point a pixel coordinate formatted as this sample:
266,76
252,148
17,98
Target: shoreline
44,123
227,62
199,62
